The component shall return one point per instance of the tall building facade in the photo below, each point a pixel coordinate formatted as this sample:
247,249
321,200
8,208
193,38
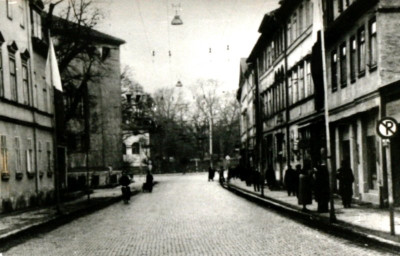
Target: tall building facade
362,53
245,96
26,111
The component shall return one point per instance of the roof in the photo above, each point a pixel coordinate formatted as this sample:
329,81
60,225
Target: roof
59,25
242,77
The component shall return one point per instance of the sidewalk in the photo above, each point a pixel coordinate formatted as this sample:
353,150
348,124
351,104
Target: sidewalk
19,223
364,220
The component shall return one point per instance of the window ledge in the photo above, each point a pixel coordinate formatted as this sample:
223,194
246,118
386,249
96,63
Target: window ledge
372,67
5,176
19,175
30,174
361,73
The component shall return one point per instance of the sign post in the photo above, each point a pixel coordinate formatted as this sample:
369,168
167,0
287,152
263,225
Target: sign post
387,128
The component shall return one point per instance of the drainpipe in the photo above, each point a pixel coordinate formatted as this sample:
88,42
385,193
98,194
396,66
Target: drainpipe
287,109
31,92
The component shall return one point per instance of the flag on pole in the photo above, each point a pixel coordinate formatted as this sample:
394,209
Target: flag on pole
53,77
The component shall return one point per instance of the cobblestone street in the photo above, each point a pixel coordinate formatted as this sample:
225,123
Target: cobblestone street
186,215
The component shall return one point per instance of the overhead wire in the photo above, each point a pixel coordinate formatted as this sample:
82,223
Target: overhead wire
144,26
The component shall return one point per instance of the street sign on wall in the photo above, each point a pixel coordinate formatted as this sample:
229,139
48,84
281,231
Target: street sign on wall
387,127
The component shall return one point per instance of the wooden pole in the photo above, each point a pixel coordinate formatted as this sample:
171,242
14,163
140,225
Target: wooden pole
332,178
386,144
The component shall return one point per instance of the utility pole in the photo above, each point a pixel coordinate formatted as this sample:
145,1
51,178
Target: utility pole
332,178
259,128
211,139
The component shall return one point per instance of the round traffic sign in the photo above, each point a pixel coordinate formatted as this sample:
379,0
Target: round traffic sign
386,127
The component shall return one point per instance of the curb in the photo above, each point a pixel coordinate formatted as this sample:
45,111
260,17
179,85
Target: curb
14,237
362,236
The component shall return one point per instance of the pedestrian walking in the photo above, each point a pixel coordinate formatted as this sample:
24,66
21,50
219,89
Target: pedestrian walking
124,181
346,179
270,176
211,173
221,175
256,177
321,187
290,181
305,186
148,185
297,172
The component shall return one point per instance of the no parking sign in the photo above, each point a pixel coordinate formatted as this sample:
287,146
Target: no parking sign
386,127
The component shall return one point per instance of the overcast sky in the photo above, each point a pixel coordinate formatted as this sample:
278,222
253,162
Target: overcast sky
146,27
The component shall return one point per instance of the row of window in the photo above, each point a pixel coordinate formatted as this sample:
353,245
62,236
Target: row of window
297,24
358,56
45,164
21,10
300,20
13,75
300,86
300,82
336,7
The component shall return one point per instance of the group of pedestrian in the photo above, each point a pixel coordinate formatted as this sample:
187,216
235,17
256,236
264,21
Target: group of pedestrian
306,181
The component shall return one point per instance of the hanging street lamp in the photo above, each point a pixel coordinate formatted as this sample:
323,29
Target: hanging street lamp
176,21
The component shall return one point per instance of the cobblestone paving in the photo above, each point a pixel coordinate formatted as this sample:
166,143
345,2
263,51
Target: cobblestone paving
186,215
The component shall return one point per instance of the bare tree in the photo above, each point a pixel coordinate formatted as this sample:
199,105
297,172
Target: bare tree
78,59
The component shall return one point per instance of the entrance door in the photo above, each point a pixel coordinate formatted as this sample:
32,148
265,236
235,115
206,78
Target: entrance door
345,150
371,163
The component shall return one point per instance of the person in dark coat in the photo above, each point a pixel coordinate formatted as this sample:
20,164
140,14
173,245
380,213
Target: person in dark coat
148,185
211,174
346,179
256,178
297,172
290,181
305,186
321,187
124,181
270,176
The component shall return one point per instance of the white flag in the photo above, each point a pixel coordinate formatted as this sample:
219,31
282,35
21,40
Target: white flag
317,19
53,77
